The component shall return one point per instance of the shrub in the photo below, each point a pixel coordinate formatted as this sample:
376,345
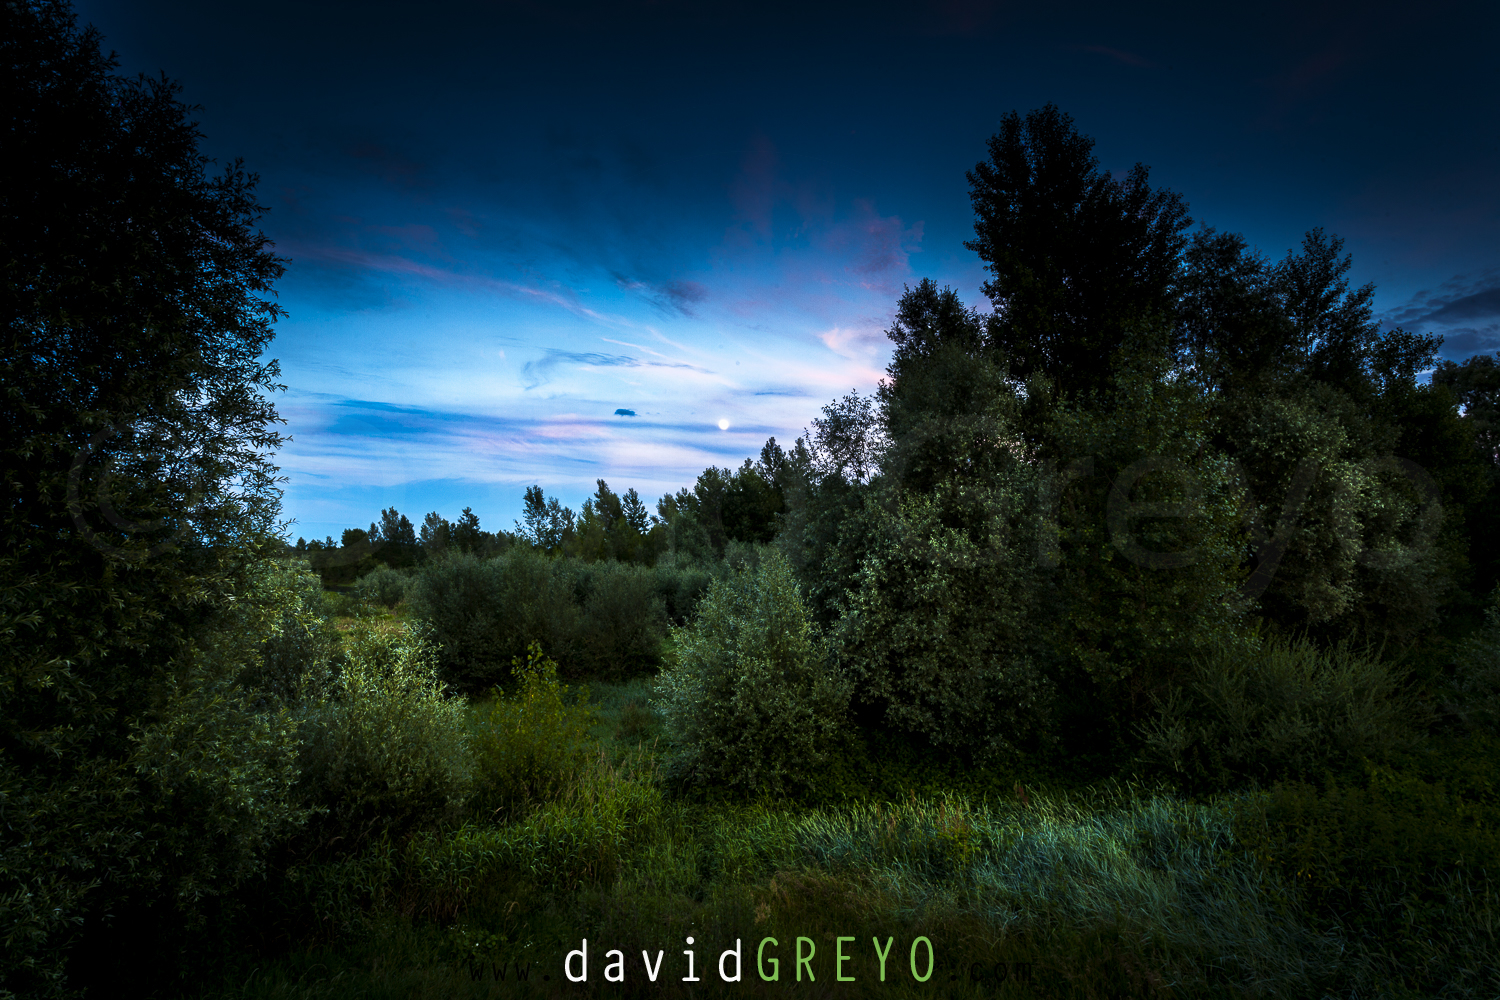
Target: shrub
287,601
681,584
389,749
485,612
752,702
1278,708
530,744
383,586
1476,675
623,621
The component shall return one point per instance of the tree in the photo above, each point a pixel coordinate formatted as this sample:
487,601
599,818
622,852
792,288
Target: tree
466,534
435,534
546,523
1476,386
1082,265
136,313
635,511
398,539
751,702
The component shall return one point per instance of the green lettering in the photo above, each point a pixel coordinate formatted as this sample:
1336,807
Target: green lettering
839,959
806,961
931,960
888,942
775,963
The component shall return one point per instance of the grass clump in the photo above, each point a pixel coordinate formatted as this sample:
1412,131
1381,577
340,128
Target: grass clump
1282,708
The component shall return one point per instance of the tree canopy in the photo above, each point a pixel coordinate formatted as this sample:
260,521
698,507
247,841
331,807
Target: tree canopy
136,304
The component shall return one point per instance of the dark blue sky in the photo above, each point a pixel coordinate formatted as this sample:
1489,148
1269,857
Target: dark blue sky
509,221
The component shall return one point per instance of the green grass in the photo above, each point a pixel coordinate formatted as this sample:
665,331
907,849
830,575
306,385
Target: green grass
1100,891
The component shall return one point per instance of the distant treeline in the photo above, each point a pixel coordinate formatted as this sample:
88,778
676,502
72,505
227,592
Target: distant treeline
741,505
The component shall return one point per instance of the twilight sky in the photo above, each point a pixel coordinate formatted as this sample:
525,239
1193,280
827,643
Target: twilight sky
556,241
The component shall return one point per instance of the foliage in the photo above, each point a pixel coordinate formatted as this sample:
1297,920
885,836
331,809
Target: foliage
297,641
681,583
752,702
1476,384
1149,537
1081,264
136,316
1279,709
1346,534
823,533
384,586
615,527
484,612
1399,863
530,744
938,625
388,750
546,523
603,617
743,505
622,620
1476,677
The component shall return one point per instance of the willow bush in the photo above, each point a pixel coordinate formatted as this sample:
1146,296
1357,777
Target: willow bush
752,703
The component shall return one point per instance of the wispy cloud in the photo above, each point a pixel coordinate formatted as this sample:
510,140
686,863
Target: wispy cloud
672,297
540,371
1464,311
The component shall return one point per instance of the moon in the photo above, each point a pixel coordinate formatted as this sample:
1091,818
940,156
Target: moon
723,423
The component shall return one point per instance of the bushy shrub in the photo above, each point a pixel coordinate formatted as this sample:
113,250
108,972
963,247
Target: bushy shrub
297,640
485,612
681,584
530,744
1278,708
940,634
216,762
1476,676
389,749
623,621
601,617
383,586
752,702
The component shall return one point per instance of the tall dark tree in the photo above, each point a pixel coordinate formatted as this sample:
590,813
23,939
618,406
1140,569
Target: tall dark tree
1476,385
435,534
465,532
545,523
1082,266
635,511
134,298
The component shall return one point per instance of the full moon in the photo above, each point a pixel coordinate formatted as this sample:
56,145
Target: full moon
723,423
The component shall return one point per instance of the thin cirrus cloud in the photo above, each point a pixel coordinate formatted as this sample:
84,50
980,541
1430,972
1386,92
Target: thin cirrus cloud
479,242
777,314
540,372
1464,311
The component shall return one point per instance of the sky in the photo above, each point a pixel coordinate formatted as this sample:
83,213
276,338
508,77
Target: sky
548,243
